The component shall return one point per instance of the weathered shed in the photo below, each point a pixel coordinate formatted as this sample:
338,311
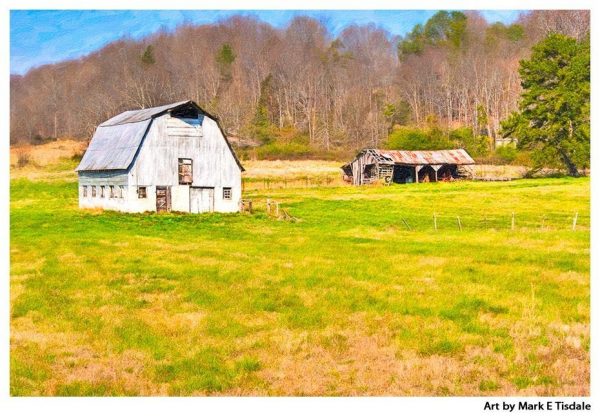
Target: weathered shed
404,166
170,158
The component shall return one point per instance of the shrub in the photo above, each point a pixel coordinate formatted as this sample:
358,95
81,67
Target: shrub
506,154
283,151
23,158
463,137
434,138
411,138
77,156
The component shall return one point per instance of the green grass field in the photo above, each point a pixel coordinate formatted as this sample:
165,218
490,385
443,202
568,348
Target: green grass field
346,301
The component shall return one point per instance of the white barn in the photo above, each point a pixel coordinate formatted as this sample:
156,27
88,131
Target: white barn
170,158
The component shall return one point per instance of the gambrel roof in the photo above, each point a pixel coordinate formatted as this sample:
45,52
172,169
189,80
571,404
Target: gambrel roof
134,116
116,141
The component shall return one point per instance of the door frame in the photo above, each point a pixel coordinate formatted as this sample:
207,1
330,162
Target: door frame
168,196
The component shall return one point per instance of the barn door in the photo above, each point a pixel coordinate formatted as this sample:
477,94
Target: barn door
163,198
202,200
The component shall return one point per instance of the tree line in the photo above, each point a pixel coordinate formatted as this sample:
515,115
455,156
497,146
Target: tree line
299,87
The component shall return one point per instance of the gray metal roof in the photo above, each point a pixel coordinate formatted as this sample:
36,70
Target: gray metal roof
114,147
117,140
135,116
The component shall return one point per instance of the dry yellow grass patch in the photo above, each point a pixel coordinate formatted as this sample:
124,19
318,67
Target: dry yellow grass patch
75,361
504,171
48,153
290,168
355,363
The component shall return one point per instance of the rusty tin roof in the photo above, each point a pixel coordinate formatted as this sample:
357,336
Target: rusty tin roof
427,157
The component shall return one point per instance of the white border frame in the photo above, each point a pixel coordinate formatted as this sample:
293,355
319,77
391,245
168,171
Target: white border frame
264,406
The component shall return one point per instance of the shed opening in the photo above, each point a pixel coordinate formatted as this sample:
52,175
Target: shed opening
447,173
403,174
427,174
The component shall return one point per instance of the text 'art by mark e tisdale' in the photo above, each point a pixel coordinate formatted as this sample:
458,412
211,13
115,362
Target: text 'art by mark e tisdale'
551,405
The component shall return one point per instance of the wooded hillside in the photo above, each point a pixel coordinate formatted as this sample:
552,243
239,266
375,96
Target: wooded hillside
300,84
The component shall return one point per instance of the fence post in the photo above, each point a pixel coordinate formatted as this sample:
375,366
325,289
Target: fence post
277,209
250,206
459,223
575,221
268,206
434,221
406,224
512,221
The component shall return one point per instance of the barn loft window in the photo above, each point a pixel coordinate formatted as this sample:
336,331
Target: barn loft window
185,171
84,191
94,191
226,193
141,192
185,112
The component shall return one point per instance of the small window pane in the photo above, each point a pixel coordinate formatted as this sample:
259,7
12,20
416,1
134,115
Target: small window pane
85,191
121,191
94,191
112,191
141,192
102,191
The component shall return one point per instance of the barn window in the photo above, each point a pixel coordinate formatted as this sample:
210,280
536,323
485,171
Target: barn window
141,192
226,193
112,192
185,171
121,191
94,191
84,191
188,111
102,191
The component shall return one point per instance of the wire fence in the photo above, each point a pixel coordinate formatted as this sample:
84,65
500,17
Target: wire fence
514,221
418,220
253,184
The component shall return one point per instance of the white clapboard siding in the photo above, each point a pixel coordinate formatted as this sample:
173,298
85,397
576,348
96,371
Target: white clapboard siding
184,127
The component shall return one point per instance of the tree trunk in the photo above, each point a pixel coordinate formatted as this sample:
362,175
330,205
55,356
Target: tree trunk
572,169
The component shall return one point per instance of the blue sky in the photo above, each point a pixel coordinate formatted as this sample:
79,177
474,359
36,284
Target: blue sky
39,37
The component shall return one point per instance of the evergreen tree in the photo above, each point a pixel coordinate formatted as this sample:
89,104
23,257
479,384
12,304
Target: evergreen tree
148,55
261,125
554,111
225,58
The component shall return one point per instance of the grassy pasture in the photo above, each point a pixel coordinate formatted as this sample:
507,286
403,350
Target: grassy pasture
346,301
